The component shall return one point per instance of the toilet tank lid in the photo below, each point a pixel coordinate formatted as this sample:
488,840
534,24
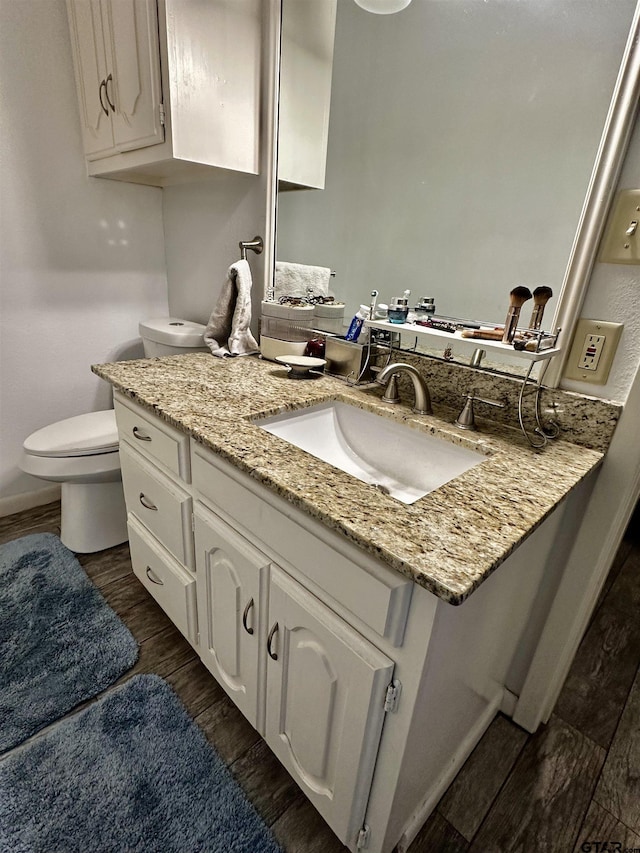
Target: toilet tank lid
83,435
173,331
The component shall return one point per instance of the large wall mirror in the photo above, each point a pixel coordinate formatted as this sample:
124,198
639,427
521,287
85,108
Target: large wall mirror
461,138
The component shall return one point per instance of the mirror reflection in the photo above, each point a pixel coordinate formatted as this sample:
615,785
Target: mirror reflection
458,138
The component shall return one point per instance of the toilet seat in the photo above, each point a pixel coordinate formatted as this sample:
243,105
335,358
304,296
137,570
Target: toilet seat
90,468
84,435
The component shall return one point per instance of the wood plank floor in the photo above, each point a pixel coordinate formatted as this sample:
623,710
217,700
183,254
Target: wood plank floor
577,780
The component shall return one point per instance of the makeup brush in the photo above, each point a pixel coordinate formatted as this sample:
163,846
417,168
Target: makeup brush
483,334
518,297
541,295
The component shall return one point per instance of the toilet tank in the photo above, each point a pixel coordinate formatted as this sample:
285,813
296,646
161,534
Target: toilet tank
171,336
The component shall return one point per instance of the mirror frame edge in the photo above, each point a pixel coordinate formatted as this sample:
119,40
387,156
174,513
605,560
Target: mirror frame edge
613,147
272,21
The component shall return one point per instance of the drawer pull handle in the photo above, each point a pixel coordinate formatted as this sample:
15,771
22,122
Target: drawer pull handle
106,92
273,655
245,616
104,109
153,577
146,503
141,436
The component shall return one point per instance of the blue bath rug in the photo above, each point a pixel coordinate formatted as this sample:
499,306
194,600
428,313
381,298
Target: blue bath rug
60,642
131,773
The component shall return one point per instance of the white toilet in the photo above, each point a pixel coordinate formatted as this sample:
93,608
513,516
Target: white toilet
82,454
170,336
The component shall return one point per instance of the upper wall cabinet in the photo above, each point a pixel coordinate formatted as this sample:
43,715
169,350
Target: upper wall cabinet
117,64
306,62
168,90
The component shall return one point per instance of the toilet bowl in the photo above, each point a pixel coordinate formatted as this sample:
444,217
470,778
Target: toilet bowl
82,454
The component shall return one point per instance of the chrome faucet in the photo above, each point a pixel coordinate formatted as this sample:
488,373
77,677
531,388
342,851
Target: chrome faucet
389,374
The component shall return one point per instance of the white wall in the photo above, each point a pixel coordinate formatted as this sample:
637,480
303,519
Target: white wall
614,295
81,260
203,225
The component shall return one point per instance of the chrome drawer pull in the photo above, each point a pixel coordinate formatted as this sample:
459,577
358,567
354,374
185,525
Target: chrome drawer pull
245,616
153,577
273,655
146,503
140,435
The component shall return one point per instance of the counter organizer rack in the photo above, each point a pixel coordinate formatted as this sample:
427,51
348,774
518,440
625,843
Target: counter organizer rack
382,332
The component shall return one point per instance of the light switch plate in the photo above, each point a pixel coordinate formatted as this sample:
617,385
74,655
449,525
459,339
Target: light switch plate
592,352
621,241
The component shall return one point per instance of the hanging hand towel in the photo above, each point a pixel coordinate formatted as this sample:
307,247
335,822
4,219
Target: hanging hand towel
227,331
298,279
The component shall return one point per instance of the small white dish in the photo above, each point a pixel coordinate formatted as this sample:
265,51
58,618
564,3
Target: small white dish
301,366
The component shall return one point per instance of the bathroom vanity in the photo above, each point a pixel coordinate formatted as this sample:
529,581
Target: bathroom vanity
369,641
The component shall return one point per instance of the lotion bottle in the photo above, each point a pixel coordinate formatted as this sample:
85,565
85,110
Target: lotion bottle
399,308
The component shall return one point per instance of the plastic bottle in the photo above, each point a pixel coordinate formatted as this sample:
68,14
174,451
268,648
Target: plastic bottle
399,308
355,326
426,307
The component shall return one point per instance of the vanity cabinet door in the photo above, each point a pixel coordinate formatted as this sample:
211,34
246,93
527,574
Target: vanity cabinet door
229,578
326,688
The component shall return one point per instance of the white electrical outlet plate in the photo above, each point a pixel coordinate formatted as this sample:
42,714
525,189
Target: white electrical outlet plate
621,241
592,351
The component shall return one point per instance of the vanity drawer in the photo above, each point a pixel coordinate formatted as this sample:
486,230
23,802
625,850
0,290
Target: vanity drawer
152,437
159,503
369,590
168,582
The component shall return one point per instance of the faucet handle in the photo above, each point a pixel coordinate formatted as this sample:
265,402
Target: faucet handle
496,403
391,394
466,418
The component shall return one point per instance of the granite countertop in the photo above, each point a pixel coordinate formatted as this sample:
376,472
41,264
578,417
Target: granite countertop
447,542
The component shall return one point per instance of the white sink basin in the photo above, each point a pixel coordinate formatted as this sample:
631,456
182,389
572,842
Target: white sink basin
400,461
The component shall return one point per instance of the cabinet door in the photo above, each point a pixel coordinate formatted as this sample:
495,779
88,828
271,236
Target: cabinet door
133,76
326,687
229,572
90,67
306,64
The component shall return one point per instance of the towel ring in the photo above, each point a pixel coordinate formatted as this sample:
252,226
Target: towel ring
256,245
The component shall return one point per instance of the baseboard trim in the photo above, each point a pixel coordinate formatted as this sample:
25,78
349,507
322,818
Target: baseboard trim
509,702
28,500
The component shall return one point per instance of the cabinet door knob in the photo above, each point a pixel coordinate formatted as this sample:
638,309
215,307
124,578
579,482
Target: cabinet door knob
273,655
153,577
106,91
102,85
146,503
245,616
141,436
